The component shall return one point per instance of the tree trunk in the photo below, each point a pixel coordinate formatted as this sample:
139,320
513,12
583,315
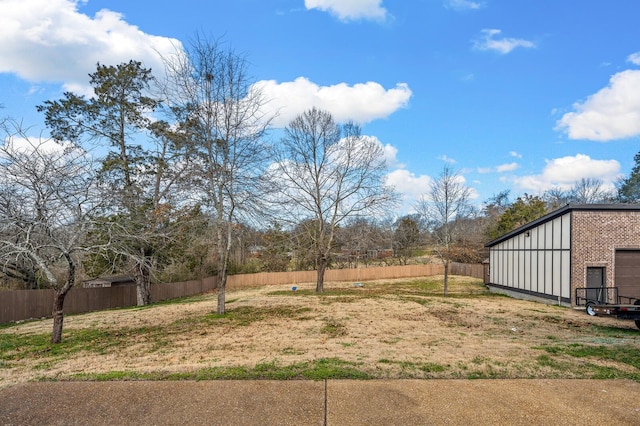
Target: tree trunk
446,277
222,291
322,266
223,272
58,299
58,316
224,250
143,285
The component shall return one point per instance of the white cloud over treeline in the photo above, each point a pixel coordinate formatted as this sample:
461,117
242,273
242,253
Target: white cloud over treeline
564,172
361,102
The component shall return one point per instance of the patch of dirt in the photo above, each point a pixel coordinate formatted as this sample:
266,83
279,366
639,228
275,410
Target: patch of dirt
382,329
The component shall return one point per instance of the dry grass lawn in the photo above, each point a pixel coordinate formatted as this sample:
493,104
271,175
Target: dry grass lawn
385,329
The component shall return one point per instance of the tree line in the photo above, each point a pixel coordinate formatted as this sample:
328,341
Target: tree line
178,178
148,176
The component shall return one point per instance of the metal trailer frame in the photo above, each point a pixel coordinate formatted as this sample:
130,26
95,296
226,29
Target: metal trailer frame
607,301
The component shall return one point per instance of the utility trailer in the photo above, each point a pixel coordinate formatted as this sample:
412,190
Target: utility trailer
631,312
606,301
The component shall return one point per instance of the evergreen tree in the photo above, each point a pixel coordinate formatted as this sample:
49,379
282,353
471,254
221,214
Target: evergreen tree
629,188
145,161
524,210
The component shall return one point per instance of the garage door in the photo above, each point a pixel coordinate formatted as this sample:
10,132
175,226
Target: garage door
628,273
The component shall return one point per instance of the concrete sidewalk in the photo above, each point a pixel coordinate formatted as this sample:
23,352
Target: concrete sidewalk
332,402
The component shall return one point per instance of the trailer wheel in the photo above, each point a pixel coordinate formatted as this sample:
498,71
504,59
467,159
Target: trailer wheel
589,308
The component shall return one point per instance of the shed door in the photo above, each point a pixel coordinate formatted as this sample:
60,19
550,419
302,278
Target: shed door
628,273
595,284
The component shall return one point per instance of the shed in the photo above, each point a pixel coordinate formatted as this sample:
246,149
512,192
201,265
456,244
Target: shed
575,253
111,281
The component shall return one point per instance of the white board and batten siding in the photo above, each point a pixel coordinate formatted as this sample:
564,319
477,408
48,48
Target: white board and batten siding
535,260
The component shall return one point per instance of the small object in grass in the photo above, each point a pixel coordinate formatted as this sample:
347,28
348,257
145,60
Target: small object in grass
358,285
294,288
514,329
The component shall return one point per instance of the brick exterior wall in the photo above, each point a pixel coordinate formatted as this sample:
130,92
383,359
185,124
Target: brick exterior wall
595,237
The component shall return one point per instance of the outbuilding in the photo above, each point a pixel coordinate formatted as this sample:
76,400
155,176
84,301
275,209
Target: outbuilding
577,253
111,281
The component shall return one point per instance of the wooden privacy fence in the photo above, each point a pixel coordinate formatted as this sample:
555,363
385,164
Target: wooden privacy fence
20,305
363,274
467,270
25,304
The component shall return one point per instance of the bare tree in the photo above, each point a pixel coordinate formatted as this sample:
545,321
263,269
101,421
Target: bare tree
444,206
3,119
556,198
47,195
275,249
219,112
363,240
406,238
329,173
590,191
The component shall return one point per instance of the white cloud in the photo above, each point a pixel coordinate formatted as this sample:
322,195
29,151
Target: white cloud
611,113
509,167
473,193
502,168
390,155
634,58
447,159
463,4
564,172
347,10
408,184
410,187
468,77
488,41
29,145
515,154
362,102
64,44
413,187
389,152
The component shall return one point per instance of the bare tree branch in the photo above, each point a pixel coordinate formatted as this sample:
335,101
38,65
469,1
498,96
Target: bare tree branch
47,198
328,173
443,207
220,114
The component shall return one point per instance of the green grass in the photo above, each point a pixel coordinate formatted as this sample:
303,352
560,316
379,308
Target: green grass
584,370
246,315
592,361
321,369
409,368
624,354
15,347
178,301
429,286
333,328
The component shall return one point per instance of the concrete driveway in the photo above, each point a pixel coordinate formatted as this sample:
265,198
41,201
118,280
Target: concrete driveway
332,402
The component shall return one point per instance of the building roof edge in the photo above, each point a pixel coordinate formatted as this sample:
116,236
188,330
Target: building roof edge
561,211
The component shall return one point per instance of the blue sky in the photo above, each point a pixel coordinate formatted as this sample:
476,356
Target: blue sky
524,95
